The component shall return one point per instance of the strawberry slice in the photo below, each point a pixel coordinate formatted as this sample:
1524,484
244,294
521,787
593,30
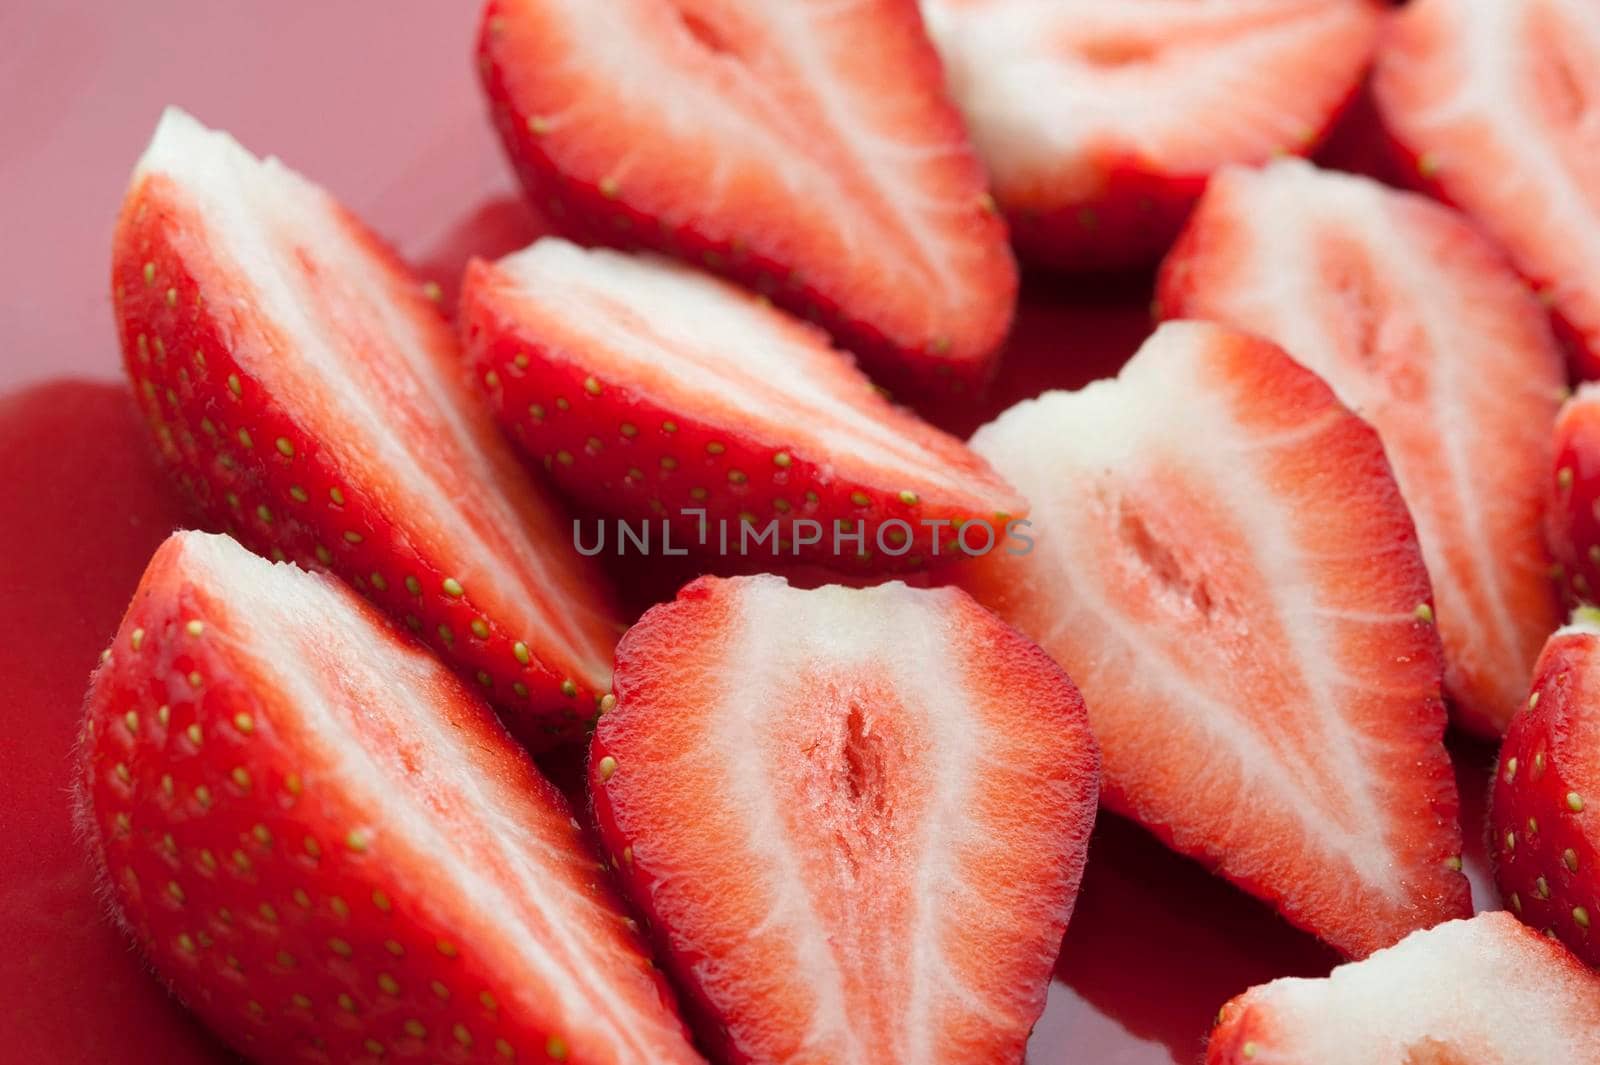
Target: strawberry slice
807,150
1224,564
311,400
648,388
903,791
1545,807
1420,326
327,844
1572,503
1491,105
1100,120
1486,991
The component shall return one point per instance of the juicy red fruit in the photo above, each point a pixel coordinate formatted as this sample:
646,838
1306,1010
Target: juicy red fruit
805,150
1572,514
1224,565
651,392
329,847
1419,325
309,398
903,790
1545,813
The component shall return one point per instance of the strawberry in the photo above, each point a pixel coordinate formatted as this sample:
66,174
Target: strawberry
310,399
650,389
806,150
1419,325
1485,991
1100,120
1225,566
856,818
326,843
1489,104
1545,806
1572,501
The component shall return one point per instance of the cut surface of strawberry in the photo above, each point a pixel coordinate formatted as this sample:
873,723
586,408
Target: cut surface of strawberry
1491,106
807,150
651,390
311,400
1485,991
855,818
1100,120
1545,813
1421,327
327,844
1223,563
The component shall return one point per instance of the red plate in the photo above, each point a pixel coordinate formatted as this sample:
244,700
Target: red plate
383,108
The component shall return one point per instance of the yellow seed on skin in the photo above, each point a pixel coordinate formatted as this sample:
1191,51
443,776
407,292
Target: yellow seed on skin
1541,887
244,723
1249,1050
122,822
697,493
1533,826
480,628
130,720
439,989
1569,858
452,588
301,899
340,947
608,766
324,556
736,476
393,947
485,678
374,1047
242,860
233,384
608,702
782,460
909,498
488,1001
357,840
519,651
149,273
591,386
353,537
1511,841
285,960
562,404
1538,765
208,861
175,890
194,734
136,638
202,795
1511,770
195,679
463,1036
447,948
521,689
185,943
668,462
1424,613
387,984
415,1029
1575,802
268,912
1533,700
609,188
1580,916
1516,902
503,1048
241,777
381,901
715,448
291,783
298,494
569,689
860,499
300,1000
629,429
347,1003
491,380
312,847
166,784
556,1047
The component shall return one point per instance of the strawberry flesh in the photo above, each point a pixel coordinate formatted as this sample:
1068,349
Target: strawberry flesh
1545,807
1491,106
1420,326
329,847
1485,991
649,390
855,817
805,150
310,399
1100,121
1225,566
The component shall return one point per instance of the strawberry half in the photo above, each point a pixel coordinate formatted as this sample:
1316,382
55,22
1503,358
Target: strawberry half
1224,564
856,818
1572,502
1419,325
649,389
312,401
326,843
1545,807
1100,120
1486,991
807,150
1491,103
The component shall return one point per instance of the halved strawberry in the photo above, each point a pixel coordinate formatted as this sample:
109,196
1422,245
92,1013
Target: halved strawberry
807,150
311,399
651,390
1485,991
1224,564
1572,499
1491,103
327,844
1545,807
856,818
1100,120
1419,325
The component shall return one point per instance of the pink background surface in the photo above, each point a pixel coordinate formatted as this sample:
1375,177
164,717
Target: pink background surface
378,102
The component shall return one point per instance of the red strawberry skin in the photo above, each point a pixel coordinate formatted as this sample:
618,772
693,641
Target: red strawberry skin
1545,836
852,755
1572,520
685,445
255,442
901,255
269,824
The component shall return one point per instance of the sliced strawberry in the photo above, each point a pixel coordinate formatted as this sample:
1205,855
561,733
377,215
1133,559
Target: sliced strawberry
1492,106
1101,119
1572,502
1420,326
312,402
327,844
807,150
1545,812
1223,562
1486,991
649,389
856,818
